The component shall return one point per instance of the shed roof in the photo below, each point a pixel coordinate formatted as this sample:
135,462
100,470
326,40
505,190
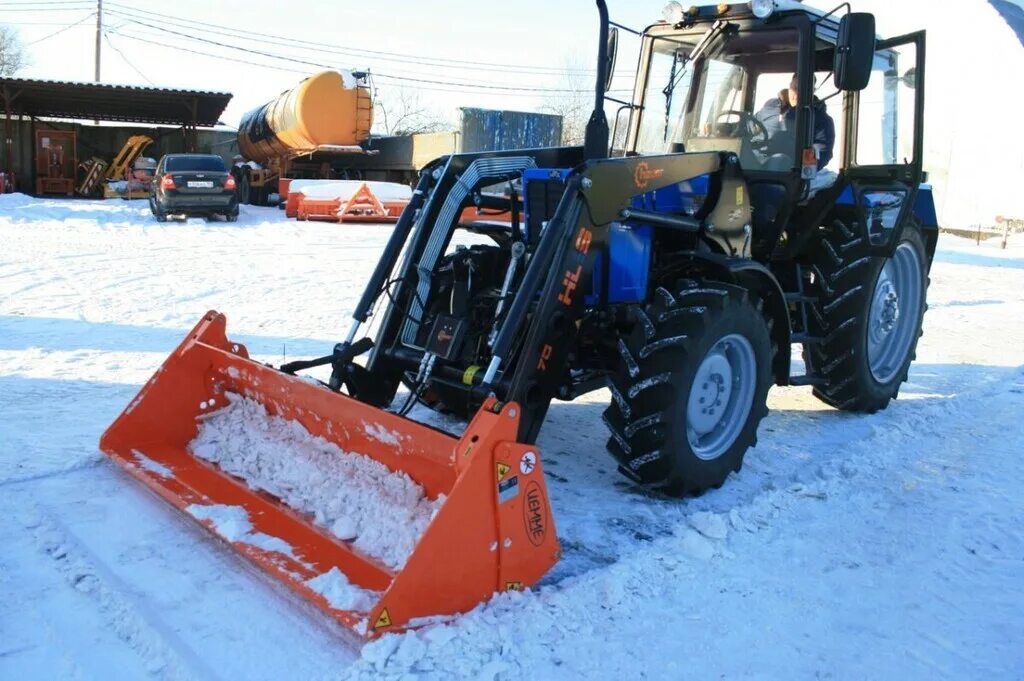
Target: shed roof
122,103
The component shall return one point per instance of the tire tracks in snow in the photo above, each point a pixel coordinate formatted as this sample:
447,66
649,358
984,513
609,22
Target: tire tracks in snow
159,649
526,635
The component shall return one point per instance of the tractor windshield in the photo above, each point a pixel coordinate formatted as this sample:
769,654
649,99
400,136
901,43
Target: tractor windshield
721,89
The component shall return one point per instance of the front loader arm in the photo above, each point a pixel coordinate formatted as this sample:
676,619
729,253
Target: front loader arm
597,194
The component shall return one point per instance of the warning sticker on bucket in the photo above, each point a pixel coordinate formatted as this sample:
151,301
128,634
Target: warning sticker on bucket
527,463
503,469
383,620
508,489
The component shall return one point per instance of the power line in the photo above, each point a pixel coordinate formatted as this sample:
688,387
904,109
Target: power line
125,59
234,47
209,54
59,31
142,30
435,63
297,42
298,71
35,23
376,74
46,9
48,3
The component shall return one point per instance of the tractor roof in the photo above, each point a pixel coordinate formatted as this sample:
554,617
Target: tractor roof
737,9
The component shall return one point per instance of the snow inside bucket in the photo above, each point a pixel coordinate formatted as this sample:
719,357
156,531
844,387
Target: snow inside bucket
383,513
344,503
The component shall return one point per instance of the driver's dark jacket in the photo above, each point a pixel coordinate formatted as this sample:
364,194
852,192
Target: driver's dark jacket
779,119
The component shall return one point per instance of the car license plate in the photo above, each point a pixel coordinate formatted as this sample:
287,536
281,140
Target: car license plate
200,184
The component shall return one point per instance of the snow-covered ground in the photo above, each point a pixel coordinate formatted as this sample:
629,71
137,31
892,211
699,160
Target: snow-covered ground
849,547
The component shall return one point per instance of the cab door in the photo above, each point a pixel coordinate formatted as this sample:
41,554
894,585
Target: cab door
885,133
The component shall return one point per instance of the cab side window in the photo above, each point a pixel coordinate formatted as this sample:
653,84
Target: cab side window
885,110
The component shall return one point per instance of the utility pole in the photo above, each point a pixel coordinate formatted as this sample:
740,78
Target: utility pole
99,35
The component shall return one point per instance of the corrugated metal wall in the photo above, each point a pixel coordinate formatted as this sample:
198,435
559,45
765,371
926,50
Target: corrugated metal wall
493,130
398,158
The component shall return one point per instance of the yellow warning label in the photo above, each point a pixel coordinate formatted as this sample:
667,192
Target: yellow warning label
513,586
469,373
503,469
739,195
383,620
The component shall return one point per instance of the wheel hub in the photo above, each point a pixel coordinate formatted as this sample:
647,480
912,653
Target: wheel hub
721,396
885,310
895,309
713,384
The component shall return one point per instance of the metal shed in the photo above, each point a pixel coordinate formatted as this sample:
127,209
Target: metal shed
34,99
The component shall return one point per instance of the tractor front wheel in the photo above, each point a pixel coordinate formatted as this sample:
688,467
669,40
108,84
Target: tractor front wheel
691,388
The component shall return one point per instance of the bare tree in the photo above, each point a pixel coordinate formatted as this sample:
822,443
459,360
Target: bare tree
13,56
574,103
401,112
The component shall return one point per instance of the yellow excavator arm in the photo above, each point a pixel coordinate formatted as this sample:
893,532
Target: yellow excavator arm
122,163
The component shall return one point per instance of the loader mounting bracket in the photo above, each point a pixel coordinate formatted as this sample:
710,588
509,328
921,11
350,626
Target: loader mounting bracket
343,370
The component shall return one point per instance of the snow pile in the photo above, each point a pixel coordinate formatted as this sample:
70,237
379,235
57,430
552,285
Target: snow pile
341,593
358,499
232,523
344,189
148,464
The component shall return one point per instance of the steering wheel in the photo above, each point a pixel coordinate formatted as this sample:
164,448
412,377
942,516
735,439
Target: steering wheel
748,126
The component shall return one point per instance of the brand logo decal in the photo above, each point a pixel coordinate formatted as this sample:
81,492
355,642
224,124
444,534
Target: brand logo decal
644,173
535,514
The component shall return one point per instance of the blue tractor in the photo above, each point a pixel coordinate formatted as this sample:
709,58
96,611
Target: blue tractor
675,259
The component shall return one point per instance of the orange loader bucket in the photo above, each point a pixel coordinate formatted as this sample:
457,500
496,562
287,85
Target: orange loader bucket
486,521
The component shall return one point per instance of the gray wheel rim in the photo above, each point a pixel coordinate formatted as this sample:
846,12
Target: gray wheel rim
721,396
895,311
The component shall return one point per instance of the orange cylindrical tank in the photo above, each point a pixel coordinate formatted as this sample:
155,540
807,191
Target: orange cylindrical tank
329,108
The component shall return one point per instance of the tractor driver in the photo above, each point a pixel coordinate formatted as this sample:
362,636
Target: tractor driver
779,118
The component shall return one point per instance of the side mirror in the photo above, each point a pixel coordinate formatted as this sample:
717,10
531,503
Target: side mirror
910,78
855,51
613,51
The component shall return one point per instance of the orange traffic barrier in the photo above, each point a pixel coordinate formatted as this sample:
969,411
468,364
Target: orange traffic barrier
493,531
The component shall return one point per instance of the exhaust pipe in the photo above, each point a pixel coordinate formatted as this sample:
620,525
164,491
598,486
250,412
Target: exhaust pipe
595,144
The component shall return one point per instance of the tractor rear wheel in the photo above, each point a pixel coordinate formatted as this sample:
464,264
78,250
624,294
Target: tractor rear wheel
691,387
868,313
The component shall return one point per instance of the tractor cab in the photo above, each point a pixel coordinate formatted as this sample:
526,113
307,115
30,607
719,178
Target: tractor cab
810,103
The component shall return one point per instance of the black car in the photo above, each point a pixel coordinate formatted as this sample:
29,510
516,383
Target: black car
193,184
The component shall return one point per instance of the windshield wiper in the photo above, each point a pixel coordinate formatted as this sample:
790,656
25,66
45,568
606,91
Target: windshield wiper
680,62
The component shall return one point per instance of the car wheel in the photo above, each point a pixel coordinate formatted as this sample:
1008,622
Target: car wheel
155,209
245,189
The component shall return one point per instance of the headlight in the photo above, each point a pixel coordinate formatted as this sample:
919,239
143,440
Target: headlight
673,12
762,9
